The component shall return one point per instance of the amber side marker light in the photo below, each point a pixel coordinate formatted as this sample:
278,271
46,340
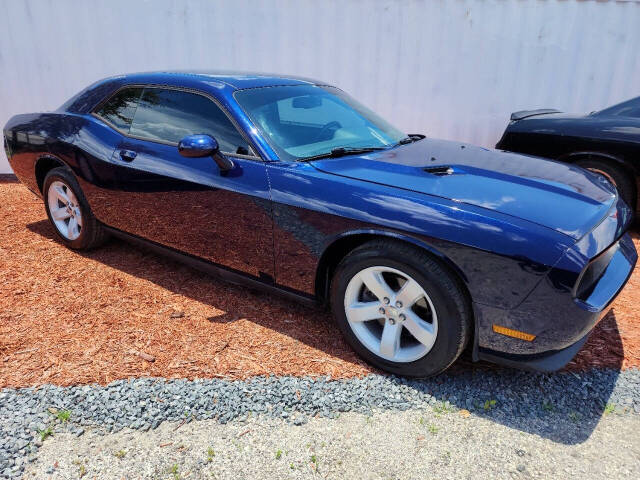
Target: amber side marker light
513,333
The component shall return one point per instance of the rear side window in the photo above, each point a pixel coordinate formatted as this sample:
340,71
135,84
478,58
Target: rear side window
120,108
170,115
629,112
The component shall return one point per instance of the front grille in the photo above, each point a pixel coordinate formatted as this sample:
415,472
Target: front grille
593,272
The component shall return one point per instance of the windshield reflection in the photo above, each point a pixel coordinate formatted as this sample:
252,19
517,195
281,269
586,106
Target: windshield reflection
304,121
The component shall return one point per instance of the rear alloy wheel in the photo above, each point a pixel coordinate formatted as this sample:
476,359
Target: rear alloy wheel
406,318
65,210
69,211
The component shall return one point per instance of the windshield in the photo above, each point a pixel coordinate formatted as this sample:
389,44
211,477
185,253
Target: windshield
308,120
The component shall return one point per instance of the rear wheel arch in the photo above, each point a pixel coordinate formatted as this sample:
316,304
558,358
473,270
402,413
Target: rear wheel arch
44,165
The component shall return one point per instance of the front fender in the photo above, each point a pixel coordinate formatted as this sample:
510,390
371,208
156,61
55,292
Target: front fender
500,258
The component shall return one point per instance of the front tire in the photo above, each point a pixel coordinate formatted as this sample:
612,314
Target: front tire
69,212
399,309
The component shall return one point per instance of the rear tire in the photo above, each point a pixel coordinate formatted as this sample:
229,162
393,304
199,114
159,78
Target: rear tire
69,213
421,324
620,179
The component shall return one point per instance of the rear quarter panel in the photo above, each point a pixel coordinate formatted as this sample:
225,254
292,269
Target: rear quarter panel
26,142
77,141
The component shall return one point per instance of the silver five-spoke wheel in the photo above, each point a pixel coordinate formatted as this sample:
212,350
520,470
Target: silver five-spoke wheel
65,210
391,314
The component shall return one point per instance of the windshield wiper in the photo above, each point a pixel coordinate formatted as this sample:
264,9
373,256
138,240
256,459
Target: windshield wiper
412,137
342,151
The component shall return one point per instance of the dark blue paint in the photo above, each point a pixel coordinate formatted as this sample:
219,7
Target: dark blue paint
551,194
518,232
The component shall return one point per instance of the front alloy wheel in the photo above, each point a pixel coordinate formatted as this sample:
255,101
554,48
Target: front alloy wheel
400,309
391,314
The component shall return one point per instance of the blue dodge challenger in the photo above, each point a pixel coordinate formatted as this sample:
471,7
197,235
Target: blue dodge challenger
419,246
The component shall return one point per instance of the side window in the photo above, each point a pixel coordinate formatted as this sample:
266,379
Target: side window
169,115
120,108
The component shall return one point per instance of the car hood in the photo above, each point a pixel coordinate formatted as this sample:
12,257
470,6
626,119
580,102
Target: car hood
567,199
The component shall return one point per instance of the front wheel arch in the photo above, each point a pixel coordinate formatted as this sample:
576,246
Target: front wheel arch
339,247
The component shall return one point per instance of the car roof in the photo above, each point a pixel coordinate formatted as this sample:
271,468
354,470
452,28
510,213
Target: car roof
234,79
220,84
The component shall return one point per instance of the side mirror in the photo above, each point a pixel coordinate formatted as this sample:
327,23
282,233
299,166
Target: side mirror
196,146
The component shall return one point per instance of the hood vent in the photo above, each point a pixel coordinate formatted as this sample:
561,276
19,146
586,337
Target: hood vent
440,170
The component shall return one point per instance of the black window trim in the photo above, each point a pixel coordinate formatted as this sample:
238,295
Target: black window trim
100,104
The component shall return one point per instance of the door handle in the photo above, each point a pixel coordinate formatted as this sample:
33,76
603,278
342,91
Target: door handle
127,155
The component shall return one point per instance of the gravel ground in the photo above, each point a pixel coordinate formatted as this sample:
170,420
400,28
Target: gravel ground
417,443
562,408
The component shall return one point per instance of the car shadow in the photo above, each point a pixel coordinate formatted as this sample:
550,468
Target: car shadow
564,407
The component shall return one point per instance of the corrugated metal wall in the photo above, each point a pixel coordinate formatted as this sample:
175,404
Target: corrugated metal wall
447,68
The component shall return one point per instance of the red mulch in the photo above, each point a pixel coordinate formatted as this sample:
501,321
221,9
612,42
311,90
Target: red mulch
118,312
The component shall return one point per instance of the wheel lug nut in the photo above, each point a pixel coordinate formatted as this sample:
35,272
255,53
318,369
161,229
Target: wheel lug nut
403,317
386,301
399,304
392,321
381,310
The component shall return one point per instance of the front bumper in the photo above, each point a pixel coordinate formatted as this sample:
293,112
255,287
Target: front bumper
542,362
565,306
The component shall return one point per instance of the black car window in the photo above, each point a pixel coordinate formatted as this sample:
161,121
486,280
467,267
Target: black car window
629,112
167,115
120,108
629,108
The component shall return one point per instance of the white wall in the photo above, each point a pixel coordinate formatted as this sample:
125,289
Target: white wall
447,68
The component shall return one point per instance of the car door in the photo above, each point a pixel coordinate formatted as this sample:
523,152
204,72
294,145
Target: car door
188,204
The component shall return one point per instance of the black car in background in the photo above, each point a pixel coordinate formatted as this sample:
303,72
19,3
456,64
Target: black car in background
606,142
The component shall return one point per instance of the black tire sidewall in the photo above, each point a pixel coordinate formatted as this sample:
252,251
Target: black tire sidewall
446,347
63,175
